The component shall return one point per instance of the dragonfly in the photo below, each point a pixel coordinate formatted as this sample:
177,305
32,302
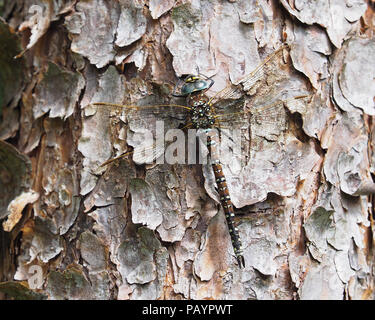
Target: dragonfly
209,114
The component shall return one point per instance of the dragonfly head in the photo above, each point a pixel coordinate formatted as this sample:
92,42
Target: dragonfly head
192,84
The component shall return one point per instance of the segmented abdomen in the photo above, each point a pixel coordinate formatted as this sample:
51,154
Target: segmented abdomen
212,144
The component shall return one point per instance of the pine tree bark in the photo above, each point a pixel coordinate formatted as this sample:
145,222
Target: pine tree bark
71,229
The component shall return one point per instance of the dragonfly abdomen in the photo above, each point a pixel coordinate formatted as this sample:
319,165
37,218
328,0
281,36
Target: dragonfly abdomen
225,200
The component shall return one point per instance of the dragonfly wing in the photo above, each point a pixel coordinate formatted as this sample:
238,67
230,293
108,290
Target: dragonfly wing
270,108
267,120
230,113
238,116
144,153
247,82
148,152
136,112
127,124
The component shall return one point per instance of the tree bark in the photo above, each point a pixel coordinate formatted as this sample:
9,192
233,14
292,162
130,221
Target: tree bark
71,229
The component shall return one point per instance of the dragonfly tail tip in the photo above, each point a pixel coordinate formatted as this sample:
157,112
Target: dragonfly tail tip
241,261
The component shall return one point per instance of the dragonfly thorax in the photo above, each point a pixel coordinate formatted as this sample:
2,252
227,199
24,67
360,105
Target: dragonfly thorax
201,112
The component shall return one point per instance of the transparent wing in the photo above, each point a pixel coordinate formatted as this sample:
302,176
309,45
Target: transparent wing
135,112
132,125
247,82
236,116
268,112
146,154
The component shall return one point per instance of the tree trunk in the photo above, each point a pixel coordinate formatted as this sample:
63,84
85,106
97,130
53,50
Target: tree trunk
72,229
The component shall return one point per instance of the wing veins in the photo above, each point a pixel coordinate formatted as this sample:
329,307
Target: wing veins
249,80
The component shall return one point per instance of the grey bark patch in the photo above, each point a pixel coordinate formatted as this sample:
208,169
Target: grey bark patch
319,228
57,92
276,167
322,283
188,28
336,16
349,220
188,247
201,29
159,7
46,243
72,284
346,164
356,78
93,252
93,27
111,186
132,24
145,206
136,258
315,115
352,170
310,45
95,141
215,249
344,271
110,223
260,255
164,185
346,127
